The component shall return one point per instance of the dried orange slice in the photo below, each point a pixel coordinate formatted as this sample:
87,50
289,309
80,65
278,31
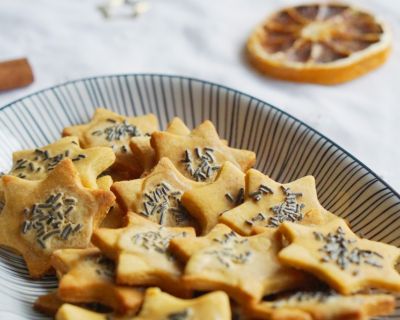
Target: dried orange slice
319,43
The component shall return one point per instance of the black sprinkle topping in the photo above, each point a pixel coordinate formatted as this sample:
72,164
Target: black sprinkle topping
228,253
157,241
236,200
303,296
202,166
163,201
288,210
42,159
259,217
50,219
180,315
117,131
262,189
342,251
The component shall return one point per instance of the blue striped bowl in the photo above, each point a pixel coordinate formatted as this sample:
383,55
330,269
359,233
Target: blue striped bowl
286,149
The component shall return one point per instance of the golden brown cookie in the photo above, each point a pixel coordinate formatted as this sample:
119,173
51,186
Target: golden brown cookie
177,126
141,253
104,182
145,153
247,268
70,312
333,253
269,203
37,163
159,306
207,203
2,198
48,303
323,305
162,306
115,217
158,195
200,155
88,276
42,216
109,129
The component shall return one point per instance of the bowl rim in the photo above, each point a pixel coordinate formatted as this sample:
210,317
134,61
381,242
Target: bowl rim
229,89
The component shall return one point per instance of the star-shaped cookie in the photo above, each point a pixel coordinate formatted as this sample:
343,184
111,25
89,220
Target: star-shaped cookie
88,276
200,155
109,129
37,163
44,215
269,203
321,305
162,306
141,253
158,195
247,268
145,153
206,203
333,253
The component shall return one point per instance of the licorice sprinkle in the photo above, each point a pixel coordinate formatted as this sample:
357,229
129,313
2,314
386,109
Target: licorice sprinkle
51,218
288,210
118,131
201,165
339,249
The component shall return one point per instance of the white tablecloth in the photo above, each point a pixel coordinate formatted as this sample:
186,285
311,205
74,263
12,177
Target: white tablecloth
68,39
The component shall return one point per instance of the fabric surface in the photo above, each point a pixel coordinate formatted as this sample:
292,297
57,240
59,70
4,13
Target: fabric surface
69,39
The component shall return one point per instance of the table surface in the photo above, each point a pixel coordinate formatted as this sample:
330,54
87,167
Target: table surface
69,39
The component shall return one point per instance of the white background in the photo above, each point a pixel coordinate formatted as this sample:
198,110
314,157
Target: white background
68,39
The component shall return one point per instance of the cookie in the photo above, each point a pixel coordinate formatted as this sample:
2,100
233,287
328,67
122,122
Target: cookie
70,312
88,276
42,216
177,126
37,163
200,155
115,217
109,129
145,153
2,197
269,203
158,195
333,253
141,253
207,203
247,268
159,305
48,303
162,306
104,182
323,305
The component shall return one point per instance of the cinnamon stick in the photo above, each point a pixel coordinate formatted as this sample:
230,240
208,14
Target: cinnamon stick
15,74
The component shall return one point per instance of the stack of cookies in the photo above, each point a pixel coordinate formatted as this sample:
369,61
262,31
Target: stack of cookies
144,224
